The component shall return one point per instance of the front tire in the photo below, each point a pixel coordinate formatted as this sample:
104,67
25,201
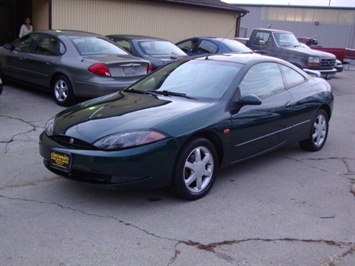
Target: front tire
195,169
318,134
63,91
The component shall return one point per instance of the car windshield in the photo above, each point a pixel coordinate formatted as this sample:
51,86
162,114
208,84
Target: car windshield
160,48
236,46
286,39
200,78
96,46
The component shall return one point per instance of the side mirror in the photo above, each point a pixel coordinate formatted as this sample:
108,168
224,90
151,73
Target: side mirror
8,46
249,99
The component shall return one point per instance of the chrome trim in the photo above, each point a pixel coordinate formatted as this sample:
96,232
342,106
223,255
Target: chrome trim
270,134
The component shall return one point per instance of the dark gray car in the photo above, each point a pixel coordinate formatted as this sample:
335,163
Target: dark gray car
70,64
158,51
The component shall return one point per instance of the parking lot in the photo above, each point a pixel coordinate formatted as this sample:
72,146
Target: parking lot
288,207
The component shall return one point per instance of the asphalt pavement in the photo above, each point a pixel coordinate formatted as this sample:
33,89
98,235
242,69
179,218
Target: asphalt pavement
289,207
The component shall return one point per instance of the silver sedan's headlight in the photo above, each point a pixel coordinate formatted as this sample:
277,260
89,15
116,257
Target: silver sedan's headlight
49,126
125,140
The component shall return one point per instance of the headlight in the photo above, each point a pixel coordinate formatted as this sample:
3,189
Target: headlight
128,139
49,126
313,61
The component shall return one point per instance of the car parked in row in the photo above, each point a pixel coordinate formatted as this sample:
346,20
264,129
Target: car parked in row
70,64
212,45
156,50
180,124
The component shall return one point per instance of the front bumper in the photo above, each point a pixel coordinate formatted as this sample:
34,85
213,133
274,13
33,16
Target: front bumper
144,167
328,74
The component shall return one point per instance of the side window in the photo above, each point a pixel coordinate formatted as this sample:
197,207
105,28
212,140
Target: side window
261,38
187,46
263,80
292,77
126,45
47,45
207,47
62,48
25,43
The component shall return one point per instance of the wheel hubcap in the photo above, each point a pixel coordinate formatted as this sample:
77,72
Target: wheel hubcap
198,169
319,130
61,90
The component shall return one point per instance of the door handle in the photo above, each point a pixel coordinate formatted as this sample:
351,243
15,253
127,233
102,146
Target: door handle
49,63
288,104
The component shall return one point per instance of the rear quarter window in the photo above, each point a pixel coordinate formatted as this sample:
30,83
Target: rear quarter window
292,77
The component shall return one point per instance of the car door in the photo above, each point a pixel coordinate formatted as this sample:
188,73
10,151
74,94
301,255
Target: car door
44,59
15,63
259,128
306,102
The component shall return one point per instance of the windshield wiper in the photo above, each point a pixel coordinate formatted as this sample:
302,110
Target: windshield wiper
155,93
171,93
141,91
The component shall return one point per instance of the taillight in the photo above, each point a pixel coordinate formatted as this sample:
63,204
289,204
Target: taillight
150,68
100,69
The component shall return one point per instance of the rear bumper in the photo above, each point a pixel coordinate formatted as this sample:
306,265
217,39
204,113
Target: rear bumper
99,86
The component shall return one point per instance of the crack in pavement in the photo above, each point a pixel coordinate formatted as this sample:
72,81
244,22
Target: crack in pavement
211,247
341,159
344,160
31,124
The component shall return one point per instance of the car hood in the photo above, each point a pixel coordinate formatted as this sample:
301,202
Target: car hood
123,111
311,52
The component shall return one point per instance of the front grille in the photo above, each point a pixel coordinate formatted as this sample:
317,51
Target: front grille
327,62
73,143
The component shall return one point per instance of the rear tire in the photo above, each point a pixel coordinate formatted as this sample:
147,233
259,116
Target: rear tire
63,91
318,134
195,169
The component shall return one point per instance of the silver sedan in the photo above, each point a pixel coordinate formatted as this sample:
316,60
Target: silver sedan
70,64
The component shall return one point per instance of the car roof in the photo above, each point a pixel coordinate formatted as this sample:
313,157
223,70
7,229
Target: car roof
135,37
241,58
211,38
58,32
273,30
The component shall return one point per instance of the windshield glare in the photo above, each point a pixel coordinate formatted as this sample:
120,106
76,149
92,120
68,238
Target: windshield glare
96,46
286,39
160,48
195,78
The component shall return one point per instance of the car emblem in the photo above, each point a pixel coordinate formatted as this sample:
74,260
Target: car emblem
71,141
